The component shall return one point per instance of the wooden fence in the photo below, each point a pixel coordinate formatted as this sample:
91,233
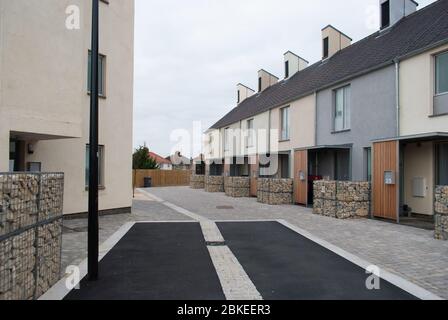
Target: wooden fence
162,178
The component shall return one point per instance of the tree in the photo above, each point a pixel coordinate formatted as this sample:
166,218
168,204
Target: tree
142,160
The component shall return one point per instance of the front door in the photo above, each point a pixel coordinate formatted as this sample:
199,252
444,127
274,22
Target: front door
301,177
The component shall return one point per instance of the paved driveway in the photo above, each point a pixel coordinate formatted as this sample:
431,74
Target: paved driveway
405,251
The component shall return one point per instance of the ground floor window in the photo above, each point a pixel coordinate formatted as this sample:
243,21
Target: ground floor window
368,163
100,165
442,164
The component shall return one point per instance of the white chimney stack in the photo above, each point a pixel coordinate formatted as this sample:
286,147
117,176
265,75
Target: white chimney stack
243,92
265,80
333,41
392,11
293,64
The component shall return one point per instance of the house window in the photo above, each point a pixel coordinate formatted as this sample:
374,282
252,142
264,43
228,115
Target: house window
442,73
100,165
238,97
259,84
385,14
442,164
250,133
226,139
326,47
286,69
368,163
342,109
101,74
284,123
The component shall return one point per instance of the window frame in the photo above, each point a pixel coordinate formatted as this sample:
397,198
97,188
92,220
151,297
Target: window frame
385,5
250,137
101,165
286,130
326,47
436,85
346,108
102,78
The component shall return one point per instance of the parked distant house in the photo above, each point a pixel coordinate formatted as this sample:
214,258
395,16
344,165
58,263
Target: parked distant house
163,163
179,162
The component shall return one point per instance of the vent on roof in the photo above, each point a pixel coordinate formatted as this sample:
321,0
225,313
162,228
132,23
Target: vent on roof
243,92
392,11
293,64
333,41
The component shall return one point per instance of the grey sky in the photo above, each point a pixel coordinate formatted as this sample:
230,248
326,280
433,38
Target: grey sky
189,55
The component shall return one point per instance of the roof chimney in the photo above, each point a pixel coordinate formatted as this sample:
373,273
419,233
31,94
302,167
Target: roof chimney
265,80
333,41
243,92
293,64
392,11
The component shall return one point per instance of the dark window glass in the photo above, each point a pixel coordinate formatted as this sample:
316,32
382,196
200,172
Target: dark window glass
385,14
442,164
238,97
286,69
326,46
259,84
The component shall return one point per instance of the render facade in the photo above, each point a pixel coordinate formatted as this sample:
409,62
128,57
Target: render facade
44,96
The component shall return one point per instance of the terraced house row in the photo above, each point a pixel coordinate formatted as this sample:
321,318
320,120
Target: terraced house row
372,113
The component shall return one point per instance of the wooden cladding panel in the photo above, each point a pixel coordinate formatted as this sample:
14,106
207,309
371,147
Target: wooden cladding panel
301,186
385,197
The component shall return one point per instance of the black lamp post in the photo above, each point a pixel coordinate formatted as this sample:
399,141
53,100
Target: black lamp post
93,150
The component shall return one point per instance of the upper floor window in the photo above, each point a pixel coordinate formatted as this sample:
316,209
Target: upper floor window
385,14
442,73
342,109
226,139
284,123
326,48
259,84
286,69
101,74
250,133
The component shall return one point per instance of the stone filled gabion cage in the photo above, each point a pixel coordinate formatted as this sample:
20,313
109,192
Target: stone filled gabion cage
441,213
214,184
342,199
197,181
237,187
275,191
31,208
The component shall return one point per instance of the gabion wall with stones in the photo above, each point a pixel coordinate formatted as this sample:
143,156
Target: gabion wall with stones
441,213
275,191
342,199
30,233
214,184
197,181
237,187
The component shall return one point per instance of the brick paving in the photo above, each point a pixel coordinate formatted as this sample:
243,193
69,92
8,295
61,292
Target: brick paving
406,251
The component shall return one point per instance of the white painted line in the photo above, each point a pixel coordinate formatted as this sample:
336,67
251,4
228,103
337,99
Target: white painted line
59,291
397,281
235,282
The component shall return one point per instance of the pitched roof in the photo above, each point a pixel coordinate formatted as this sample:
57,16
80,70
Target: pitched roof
423,29
159,159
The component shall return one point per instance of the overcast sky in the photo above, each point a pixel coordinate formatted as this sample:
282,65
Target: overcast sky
189,55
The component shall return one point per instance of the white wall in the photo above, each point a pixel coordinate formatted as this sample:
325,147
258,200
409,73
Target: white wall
417,95
44,91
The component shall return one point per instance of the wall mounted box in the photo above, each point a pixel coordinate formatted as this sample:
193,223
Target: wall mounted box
389,177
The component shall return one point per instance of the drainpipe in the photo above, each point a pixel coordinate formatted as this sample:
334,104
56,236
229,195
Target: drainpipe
397,94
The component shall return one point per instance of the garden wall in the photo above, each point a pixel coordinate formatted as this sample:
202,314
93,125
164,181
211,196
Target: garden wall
30,234
441,213
237,187
342,199
275,191
214,184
